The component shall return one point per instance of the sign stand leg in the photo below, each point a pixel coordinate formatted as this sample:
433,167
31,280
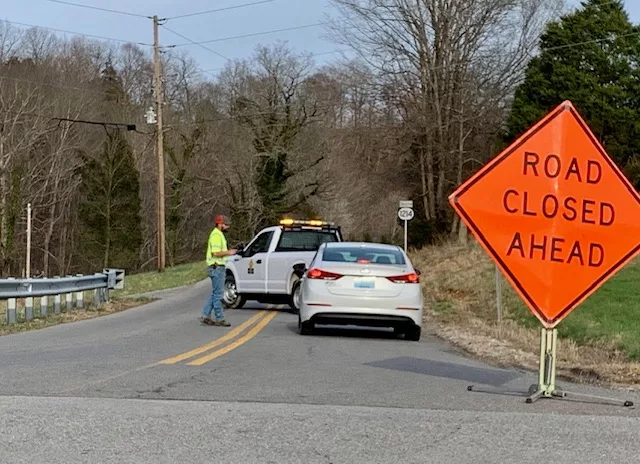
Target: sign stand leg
546,387
405,236
547,371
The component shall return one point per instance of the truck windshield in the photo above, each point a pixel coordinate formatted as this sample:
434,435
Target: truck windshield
305,240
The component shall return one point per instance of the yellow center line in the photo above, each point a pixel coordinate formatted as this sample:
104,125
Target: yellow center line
218,341
245,338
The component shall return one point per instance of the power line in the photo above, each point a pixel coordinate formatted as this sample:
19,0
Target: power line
587,42
273,31
100,9
76,33
220,9
127,126
195,43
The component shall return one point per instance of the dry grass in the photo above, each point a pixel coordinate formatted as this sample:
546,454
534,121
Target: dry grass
65,316
460,296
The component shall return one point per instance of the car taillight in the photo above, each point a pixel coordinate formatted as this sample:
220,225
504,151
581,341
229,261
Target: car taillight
324,275
412,278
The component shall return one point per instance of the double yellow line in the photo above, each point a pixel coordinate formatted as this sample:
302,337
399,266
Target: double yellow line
260,320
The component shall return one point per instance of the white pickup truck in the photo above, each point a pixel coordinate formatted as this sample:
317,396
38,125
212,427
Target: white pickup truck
268,269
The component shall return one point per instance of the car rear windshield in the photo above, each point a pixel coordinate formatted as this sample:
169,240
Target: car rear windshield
365,255
305,240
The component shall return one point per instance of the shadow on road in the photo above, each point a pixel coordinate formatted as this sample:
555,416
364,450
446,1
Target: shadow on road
449,370
262,307
349,332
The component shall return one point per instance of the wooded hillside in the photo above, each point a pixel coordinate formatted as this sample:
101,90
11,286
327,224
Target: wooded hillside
424,105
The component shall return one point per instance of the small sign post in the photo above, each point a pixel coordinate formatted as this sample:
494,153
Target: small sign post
558,218
405,213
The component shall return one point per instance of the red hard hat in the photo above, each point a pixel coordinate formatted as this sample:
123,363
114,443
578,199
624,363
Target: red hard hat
222,219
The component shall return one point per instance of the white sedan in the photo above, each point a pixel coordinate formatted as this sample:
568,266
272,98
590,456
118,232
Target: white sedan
363,284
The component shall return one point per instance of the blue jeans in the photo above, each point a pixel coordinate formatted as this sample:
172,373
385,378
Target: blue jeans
214,302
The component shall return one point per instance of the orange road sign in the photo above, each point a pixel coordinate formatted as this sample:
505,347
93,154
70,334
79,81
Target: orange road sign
555,214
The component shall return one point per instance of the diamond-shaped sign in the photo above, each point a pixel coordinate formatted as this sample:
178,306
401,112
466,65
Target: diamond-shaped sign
555,214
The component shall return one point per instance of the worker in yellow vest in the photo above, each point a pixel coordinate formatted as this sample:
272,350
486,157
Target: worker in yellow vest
217,255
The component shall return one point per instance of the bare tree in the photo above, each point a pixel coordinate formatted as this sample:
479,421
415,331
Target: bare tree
428,50
10,38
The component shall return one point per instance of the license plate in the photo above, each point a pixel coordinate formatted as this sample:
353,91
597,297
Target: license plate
364,283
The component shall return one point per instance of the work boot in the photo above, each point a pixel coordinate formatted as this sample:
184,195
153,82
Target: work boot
207,320
222,323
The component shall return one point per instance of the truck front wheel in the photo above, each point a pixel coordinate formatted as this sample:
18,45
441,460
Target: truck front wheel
231,298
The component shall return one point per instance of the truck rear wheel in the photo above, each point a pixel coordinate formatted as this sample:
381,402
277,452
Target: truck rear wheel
294,298
231,298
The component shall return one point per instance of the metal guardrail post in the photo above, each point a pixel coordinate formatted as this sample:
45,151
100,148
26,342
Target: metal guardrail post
69,299
97,294
44,306
28,308
56,300
80,297
12,312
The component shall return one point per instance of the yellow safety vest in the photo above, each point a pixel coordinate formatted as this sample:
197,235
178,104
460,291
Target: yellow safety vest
217,242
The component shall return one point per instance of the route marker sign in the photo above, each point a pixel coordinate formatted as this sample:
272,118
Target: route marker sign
555,214
405,214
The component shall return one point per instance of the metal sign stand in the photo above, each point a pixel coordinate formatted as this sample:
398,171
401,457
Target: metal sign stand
406,213
546,387
405,235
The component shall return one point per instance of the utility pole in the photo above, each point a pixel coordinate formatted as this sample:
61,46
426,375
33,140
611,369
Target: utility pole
157,71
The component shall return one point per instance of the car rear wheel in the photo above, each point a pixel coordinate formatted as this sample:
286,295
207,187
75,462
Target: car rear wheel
231,298
413,333
305,328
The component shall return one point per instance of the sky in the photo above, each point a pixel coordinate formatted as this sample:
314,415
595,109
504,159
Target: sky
264,15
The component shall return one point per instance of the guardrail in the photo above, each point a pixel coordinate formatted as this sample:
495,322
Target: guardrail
12,290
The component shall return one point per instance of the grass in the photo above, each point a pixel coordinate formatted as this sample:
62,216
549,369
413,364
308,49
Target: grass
598,341
121,300
611,315
172,277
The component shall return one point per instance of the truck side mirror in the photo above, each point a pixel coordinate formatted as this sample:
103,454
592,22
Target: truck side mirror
240,247
299,269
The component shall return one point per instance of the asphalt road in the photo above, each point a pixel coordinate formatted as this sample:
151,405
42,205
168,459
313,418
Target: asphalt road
154,385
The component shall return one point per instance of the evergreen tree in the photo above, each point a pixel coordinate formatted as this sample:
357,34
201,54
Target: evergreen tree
591,57
110,226
109,209
112,85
